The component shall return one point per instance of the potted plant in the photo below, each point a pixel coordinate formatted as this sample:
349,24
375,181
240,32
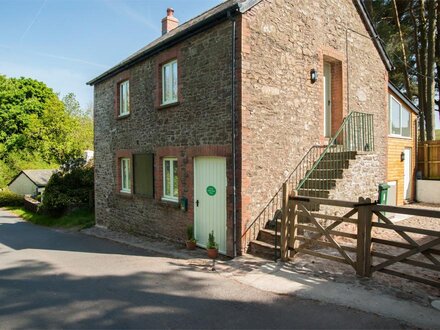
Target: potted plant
190,240
212,246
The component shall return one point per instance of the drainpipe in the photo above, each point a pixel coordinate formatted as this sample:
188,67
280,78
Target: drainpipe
234,132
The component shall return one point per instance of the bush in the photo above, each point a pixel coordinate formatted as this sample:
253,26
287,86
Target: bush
8,198
68,190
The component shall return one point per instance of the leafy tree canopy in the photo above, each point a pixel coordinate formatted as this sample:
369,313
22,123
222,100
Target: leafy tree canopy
37,129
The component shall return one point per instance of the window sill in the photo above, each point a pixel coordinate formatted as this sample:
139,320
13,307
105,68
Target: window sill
169,199
399,137
123,116
124,194
169,202
168,105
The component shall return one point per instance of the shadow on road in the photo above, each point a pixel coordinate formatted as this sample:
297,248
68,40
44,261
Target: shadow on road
33,295
19,235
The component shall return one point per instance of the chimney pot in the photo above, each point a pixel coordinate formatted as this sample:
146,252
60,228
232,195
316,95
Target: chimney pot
169,22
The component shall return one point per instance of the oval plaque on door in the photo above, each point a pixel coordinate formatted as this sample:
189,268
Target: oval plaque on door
211,191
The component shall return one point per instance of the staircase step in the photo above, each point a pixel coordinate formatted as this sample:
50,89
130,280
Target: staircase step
268,235
262,249
337,164
340,155
324,184
314,193
320,173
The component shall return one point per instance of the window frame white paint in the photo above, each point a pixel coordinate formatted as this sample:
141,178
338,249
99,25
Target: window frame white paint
124,98
170,197
401,110
174,82
125,175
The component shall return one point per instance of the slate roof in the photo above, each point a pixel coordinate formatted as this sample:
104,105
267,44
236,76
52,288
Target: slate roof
212,17
39,177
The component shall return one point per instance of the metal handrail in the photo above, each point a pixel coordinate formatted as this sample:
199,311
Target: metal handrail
355,134
275,202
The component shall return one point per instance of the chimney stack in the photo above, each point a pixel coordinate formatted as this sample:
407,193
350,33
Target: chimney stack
169,22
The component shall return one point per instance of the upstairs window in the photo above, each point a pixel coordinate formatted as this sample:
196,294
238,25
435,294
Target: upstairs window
400,119
169,82
170,180
124,102
125,175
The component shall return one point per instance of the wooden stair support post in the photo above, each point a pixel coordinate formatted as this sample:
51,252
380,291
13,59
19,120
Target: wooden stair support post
293,221
284,244
363,250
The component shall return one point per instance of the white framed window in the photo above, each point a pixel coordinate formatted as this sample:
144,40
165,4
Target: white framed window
400,119
170,180
169,82
125,175
124,98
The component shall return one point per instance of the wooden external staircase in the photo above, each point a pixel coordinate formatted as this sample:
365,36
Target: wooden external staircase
316,175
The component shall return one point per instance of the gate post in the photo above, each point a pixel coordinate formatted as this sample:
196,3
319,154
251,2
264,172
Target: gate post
363,250
284,228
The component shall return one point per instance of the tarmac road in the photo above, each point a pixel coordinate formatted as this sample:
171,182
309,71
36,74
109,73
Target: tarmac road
58,279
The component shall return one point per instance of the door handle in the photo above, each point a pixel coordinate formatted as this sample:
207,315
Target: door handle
197,203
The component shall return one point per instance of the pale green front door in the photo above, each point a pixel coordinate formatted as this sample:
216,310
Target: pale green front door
210,185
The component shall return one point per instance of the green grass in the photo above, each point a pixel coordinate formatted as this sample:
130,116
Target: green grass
77,219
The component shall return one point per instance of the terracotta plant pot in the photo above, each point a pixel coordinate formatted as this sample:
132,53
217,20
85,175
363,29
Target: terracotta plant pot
191,245
212,253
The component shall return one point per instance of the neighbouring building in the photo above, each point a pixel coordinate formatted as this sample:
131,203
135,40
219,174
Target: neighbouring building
30,182
402,147
204,124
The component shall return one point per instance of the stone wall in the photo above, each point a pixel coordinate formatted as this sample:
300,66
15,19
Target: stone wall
282,110
199,125
358,179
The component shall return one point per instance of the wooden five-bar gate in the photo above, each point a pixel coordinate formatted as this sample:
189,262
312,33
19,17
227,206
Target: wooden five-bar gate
303,229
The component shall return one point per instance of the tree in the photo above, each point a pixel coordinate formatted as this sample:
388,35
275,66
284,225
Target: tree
73,107
37,129
410,30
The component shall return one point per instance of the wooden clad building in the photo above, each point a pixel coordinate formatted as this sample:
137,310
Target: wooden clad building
402,147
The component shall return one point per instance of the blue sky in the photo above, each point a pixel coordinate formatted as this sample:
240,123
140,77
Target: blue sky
65,43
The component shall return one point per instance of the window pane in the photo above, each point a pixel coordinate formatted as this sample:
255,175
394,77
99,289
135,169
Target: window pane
123,98
175,180
167,173
174,93
125,174
406,125
166,83
395,117
128,174
127,95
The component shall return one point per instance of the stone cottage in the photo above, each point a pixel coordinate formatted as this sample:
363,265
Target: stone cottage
203,125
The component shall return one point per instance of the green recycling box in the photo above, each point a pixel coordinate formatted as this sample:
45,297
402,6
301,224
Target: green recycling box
383,193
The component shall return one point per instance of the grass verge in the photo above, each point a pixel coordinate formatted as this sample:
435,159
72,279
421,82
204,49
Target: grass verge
77,219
